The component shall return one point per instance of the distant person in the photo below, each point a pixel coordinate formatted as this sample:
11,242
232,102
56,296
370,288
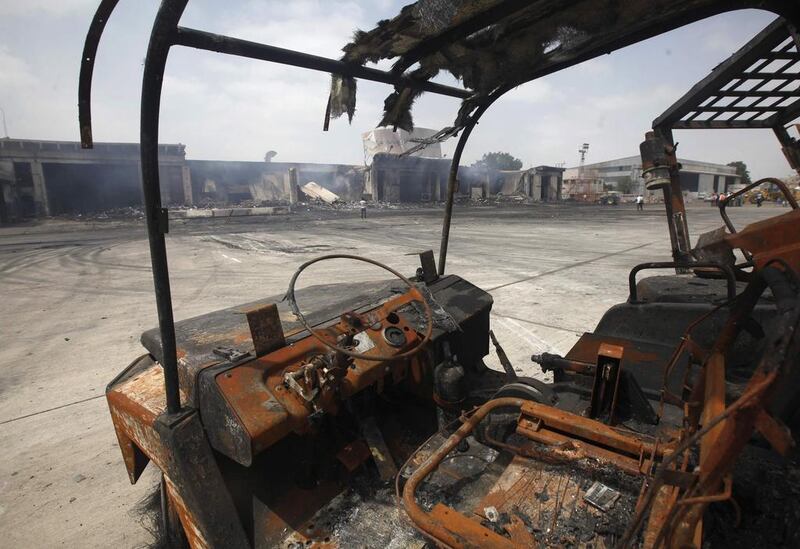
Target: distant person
363,205
759,199
714,199
639,203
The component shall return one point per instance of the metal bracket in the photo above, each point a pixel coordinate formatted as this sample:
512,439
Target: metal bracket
266,329
428,267
230,354
163,221
605,390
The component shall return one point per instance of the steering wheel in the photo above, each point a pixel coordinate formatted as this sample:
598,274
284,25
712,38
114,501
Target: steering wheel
290,297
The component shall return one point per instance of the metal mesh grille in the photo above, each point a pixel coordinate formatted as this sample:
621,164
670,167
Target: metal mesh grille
758,87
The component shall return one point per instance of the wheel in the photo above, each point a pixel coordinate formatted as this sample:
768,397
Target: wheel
502,422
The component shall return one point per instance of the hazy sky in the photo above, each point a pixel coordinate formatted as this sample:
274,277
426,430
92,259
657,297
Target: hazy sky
228,108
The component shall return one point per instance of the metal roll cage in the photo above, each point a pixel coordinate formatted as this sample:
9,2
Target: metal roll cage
166,33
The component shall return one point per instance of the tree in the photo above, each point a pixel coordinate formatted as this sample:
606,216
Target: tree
741,171
500,161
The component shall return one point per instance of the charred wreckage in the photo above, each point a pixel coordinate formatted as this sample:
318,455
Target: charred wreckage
373,421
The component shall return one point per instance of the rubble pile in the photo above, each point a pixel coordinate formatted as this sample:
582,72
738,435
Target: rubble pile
341,205
129,212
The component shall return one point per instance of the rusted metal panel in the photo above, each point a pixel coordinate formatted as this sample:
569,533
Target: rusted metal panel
268,409
387,468
605,389
266,330
773,238
354,454
428,266
135,404
571,449
197,337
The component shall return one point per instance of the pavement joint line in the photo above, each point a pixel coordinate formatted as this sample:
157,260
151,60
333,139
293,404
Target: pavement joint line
40,412
564,268
570,330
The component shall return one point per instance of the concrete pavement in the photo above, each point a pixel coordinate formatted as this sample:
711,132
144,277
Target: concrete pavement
77,295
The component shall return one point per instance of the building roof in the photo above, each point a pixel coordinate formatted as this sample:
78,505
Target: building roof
42,147
635,162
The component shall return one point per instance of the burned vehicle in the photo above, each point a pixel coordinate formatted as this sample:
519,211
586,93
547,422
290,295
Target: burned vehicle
367,418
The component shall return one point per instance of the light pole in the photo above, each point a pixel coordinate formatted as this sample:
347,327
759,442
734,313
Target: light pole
582,151
5,128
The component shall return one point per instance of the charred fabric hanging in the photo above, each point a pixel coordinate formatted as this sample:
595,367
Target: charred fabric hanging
492,46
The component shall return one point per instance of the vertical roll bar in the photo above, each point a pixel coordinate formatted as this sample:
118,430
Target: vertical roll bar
165,34
99,21
161,39
452,179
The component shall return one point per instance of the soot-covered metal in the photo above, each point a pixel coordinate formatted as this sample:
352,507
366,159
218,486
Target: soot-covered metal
365,414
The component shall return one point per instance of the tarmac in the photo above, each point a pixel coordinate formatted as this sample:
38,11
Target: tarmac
78,294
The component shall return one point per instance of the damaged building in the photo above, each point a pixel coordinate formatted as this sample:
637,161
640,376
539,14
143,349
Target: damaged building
234,182
397,178
539,184
42,178
402,167
409,167
47,178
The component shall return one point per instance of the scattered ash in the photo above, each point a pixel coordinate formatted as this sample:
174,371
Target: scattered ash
364,515
582,524
767,491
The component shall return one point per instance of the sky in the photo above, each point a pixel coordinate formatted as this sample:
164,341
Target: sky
227,108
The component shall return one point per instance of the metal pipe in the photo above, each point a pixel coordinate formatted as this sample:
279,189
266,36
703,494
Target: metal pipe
5,128
683,246
572,425
161,38
777,182
420,518
791,150
208,41
725,269
87,69
452,179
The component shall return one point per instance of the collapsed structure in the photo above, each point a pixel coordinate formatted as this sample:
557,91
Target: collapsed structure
274,425
49,178
42,178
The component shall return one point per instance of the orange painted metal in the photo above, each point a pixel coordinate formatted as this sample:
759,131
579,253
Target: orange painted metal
193,535
611,351
714,403
777,434
269,410
775,237
135,404
573,449
587,348
446,525
554,426
592,431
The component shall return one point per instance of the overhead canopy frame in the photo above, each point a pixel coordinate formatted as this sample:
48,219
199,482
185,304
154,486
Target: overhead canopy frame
491,46
757,87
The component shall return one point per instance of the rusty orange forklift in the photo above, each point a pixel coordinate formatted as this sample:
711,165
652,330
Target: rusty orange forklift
368,418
